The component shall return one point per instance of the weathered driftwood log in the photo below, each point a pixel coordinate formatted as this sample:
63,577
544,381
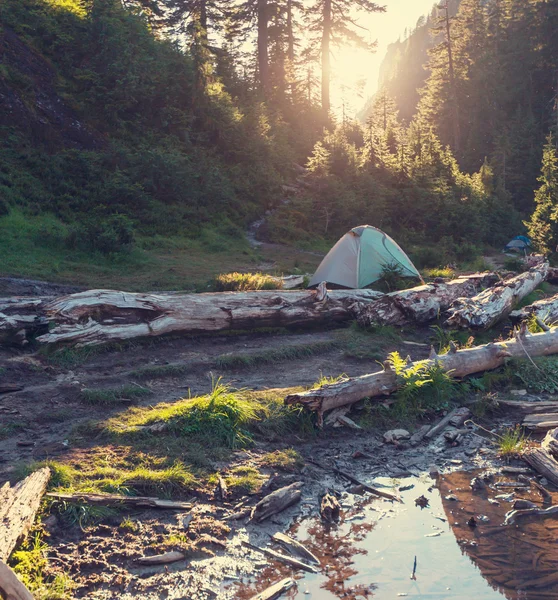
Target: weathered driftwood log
288,560
295,547
277,501
116,500
18,507
276,590
514,515
100,316
528,407
161,559
550,443
421,304
546,310
21,318
495,303
458,363
11,587
541,421
542,460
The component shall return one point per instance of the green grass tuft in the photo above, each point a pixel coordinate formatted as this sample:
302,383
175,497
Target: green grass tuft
30,563
159,371
367,343
512,443
287,460
542,376
242,282
245,479
445,272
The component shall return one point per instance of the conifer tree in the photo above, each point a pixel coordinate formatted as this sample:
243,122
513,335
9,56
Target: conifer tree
543,225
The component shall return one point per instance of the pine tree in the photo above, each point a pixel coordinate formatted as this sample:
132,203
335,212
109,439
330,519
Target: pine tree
331,21
543,225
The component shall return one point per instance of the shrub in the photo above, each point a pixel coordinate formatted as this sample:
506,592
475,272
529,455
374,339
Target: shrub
110,235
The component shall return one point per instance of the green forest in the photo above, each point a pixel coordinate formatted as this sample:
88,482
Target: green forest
165,127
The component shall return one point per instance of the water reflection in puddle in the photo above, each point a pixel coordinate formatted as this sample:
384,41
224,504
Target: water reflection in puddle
371,553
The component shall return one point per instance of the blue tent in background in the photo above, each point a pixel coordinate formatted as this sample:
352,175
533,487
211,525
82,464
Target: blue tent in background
519,243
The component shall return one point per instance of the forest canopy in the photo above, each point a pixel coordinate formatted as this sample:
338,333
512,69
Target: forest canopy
167,117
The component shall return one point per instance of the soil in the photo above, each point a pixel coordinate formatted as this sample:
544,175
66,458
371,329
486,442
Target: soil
39,422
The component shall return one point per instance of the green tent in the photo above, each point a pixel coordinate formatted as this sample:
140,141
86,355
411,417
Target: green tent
358,258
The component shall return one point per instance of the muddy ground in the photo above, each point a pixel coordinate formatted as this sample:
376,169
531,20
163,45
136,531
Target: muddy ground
42,421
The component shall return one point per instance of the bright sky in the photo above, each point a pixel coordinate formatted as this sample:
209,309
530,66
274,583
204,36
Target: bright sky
351,65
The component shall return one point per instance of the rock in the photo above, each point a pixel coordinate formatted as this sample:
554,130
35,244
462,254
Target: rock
394,435
356,489
433,472
451,497
477,484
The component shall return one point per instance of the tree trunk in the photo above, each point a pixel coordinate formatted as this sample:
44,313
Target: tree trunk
100,316
546,310
421,304
290,34
458,363
453,90
495,303
18,507
326,58
263,58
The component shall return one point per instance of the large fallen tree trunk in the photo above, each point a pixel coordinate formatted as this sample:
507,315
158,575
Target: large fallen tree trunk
546,310
421,304
100,316
495,303
458,363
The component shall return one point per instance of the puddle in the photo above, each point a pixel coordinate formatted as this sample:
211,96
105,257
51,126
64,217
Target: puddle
371,553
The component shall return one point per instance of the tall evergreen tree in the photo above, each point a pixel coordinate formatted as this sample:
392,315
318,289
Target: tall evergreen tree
543,225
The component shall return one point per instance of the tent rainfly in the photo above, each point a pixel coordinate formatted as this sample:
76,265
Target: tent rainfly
519,243
359,257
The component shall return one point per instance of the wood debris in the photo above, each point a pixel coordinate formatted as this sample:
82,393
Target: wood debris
161,559
276,502
275,590
295,547
288,560
117,500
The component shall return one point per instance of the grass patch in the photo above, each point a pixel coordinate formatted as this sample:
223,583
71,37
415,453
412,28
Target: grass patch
441,338
273,355
242,282
328,380
445,272
367,343
159,371
129,525
31,565
244,479
287,460
512,443
108,397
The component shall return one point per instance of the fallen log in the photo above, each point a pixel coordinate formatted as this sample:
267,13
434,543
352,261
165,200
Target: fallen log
18,507
420,304
546,310
275,590
116,500
101,316
540,422
513,516
543,463
161,559
20,318
11,587
368,488
288,560
295,547
550,443
276,502
441,425
458,363
495,303
528,407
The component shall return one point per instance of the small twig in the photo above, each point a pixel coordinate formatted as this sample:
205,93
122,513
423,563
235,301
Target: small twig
413,575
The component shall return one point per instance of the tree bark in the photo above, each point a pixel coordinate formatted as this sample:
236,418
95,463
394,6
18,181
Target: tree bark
495,303
101,316
546,310
458,363
21,317
541,422
542,463
18,507
423,303
326,58
263,54
276,502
